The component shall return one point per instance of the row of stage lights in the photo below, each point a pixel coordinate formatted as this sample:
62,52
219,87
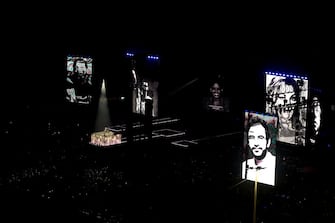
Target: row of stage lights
286,75
149,57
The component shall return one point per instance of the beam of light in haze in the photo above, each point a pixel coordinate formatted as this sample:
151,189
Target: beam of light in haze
103,116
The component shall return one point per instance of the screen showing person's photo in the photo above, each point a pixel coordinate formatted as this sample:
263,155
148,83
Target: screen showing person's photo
146,91
315,118
145,73
216,100
259,157
79,79
286,97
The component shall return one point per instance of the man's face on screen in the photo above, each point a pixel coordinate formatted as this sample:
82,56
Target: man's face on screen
257,140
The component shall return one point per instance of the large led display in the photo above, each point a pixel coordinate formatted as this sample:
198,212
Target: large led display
259,161
146,92
144,71
79,79
286,97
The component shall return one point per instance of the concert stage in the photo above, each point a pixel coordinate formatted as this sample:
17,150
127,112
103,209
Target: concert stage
180,174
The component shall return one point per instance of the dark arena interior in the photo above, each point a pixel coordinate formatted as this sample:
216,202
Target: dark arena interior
184,163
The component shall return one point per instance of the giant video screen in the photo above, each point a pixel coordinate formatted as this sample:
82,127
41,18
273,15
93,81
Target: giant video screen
145,81
286,97
259,157
79,79
146,91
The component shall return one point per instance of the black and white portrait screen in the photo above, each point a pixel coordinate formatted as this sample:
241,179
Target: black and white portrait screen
146,91
259,157
79,79
286,97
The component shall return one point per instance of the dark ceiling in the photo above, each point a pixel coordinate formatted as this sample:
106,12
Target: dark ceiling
192,41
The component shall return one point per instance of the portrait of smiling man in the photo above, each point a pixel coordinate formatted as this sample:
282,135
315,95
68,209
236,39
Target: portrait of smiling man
260,163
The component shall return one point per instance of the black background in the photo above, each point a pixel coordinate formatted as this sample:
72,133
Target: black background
193,42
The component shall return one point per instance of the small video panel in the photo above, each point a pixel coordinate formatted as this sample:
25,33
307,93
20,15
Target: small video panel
78,88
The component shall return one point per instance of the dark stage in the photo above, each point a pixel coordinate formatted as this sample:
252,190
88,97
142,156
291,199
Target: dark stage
55,175
189,169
